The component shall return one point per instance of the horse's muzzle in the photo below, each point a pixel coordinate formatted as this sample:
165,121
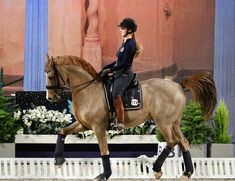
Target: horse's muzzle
53,97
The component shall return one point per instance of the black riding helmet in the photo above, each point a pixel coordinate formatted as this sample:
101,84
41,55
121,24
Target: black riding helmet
129,24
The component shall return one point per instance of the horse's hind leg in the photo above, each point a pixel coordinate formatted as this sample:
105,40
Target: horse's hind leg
59,150
171,142
184,146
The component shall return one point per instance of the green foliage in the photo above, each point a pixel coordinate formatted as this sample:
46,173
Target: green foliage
8,124
159,136
193,126
220,124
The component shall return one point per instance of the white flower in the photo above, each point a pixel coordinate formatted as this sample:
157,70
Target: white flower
64,111
42,118
17,115
112,132
28,123
88,133
20,131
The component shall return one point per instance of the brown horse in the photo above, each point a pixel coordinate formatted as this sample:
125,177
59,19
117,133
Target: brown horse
163,101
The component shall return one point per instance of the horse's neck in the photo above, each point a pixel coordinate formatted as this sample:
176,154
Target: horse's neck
77,76
79,84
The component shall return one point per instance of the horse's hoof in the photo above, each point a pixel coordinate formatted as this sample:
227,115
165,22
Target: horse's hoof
158,175
184,178
59,161
100,177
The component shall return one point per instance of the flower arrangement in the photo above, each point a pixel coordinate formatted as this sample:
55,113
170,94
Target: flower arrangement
39,120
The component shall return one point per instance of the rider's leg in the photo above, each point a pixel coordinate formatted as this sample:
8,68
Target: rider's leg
119,110
119,86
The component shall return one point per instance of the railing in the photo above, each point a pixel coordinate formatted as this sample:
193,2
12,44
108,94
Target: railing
2,84
88,168
1,78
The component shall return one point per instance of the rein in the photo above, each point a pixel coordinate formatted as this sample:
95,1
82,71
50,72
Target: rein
85,85
58,75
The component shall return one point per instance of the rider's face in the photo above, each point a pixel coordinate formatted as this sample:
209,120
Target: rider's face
123,31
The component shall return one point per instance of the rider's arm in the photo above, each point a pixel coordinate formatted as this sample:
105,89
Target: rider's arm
126,57
109,65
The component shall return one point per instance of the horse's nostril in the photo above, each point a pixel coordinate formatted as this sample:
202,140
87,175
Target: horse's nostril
49,99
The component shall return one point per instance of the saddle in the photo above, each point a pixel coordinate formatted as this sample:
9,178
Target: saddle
132,97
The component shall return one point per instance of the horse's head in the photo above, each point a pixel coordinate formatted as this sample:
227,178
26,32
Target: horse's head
63,72
54,80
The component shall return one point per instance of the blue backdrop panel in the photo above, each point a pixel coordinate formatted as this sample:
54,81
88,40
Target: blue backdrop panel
36,44
224,65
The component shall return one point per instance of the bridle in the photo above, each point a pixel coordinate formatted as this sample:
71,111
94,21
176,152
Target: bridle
77,88
57,75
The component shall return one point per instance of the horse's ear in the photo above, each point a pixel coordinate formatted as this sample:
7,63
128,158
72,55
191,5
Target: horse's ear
47,57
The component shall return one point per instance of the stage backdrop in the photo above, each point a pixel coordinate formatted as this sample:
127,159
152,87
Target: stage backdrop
179,37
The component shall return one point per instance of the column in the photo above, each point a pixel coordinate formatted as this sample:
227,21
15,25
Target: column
91,49
36,44
224,63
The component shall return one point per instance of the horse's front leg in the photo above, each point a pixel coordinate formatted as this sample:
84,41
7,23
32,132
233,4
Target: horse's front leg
59,150
102,140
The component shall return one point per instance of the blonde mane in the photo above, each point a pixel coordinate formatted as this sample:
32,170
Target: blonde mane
73,60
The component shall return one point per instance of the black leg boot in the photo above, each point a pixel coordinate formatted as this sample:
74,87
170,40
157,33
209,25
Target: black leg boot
158,163
188,164
107,169
59,150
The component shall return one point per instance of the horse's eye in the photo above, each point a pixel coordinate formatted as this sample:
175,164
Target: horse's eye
50,78
50,74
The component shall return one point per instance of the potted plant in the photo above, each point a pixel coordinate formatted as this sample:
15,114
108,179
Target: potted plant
221,143
9,125
195,129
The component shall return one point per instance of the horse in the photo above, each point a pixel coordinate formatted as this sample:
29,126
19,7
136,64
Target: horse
163,102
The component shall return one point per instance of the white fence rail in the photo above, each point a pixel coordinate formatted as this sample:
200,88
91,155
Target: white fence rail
88,168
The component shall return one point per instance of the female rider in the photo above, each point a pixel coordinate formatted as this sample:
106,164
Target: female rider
121,68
